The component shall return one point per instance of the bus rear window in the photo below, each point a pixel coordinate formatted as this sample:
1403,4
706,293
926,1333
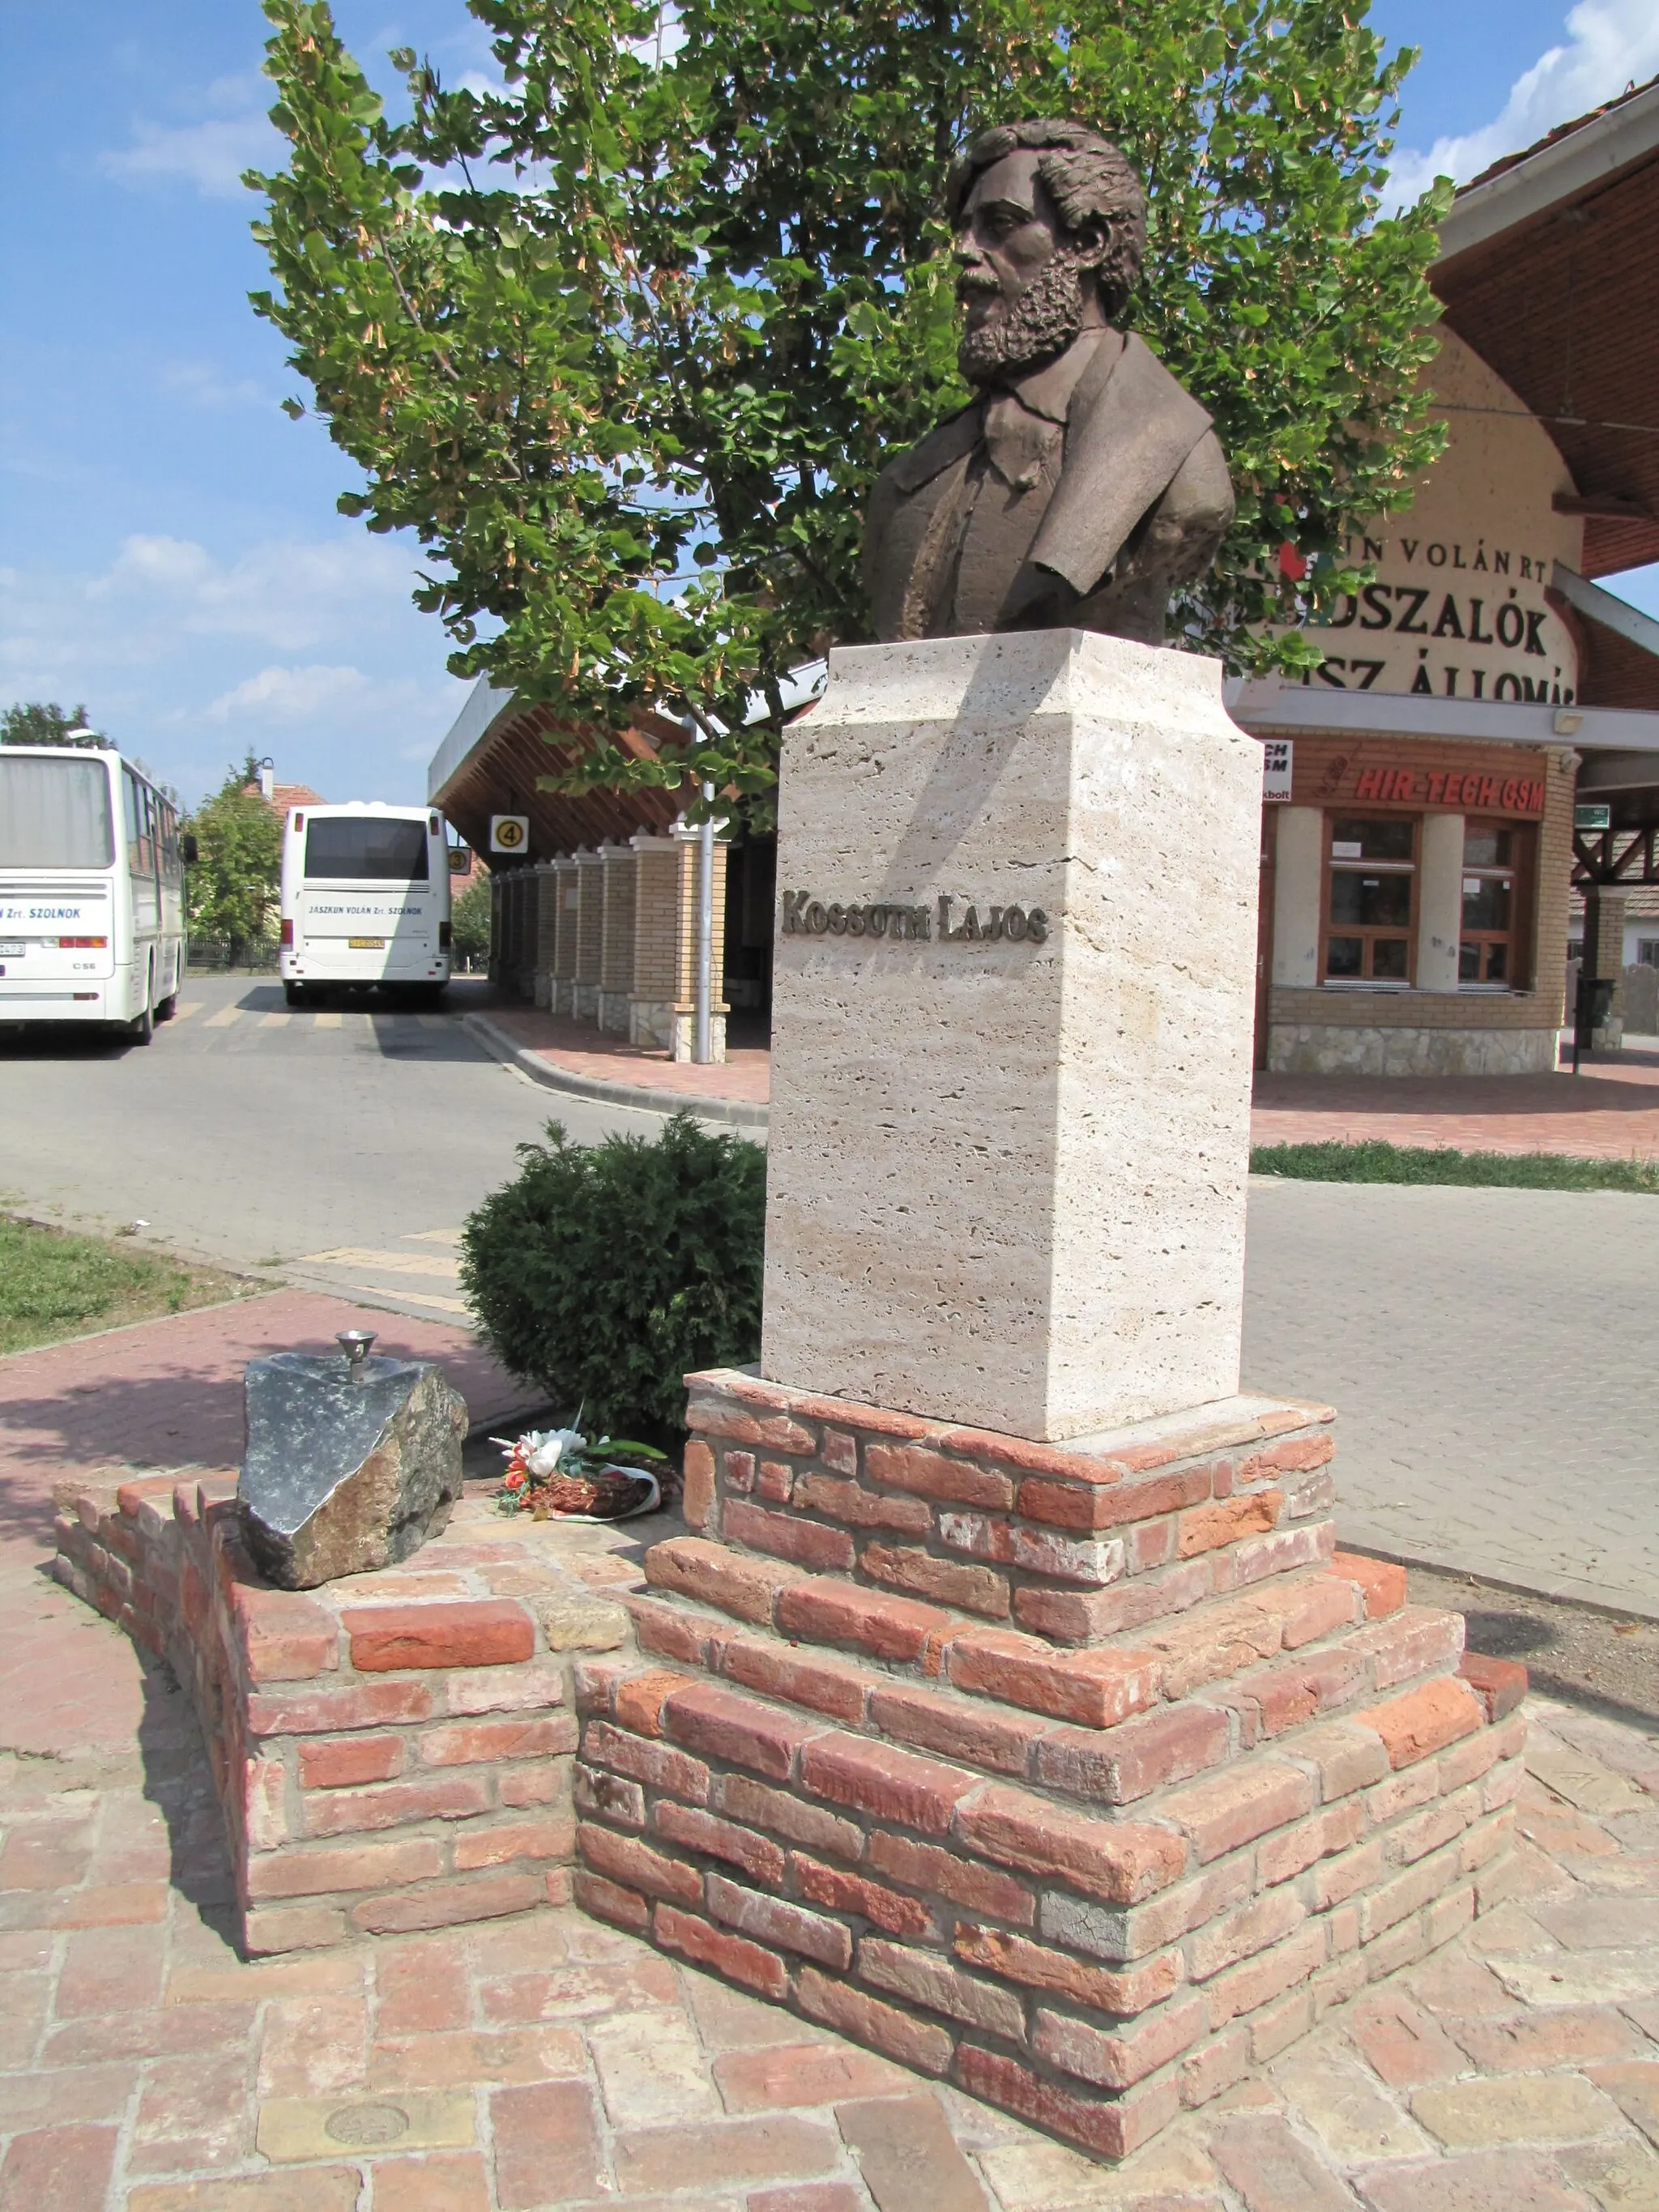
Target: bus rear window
358,851
55,813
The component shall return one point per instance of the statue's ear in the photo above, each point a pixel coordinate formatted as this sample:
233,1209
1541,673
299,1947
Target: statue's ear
1092,240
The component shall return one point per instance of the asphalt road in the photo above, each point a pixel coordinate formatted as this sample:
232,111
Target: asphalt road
1487,1350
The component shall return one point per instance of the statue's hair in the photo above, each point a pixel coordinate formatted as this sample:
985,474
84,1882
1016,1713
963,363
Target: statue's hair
1088,179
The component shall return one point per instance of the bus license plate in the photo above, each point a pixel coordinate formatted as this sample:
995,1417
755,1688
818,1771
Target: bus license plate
11,949
367,944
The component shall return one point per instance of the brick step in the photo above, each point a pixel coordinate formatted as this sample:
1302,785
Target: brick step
1039,1952
759,1680
1073,1543
1278,1652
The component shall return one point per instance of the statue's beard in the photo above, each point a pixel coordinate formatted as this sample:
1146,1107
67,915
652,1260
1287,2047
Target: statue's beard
1040,322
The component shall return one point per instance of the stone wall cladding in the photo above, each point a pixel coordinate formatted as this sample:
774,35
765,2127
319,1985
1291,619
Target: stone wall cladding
390,1751
1297,1047
1088,1779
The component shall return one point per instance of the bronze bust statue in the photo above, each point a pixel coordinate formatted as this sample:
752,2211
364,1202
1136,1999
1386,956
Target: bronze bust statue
1084,484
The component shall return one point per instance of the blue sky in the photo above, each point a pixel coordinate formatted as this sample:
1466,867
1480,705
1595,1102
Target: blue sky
169,548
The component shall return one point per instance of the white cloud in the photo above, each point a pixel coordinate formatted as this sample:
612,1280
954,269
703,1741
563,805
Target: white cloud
204,386
310,651
1610,44
280,695
283,594
211,155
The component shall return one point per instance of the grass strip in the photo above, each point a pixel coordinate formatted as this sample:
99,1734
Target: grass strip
54,1285
1374,1160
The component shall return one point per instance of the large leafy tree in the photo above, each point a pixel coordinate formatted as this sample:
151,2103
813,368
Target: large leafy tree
232,890
43,722
625,340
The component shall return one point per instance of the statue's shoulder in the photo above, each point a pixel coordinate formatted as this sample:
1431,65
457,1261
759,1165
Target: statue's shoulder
930,456
1139,392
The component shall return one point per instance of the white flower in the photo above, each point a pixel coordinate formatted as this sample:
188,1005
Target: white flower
549,1446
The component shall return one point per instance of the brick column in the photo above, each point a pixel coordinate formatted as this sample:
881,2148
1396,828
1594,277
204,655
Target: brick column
497,966
663,1007
547,889
590,934
1440,902
564,949
616,948
1604,955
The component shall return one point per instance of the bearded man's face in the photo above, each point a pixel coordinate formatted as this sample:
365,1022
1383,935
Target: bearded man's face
1022,281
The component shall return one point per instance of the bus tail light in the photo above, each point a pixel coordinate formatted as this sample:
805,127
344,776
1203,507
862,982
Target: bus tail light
445,935
82,945
286,935
298,822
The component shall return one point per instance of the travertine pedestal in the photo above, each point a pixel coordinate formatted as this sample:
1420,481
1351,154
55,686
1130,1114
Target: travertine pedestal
1013,1000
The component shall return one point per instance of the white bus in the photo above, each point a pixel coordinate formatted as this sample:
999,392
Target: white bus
92,891
365,901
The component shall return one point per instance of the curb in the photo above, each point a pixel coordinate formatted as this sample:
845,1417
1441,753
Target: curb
738,1113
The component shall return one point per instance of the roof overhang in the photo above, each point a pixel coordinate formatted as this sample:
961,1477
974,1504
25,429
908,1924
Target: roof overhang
1549,269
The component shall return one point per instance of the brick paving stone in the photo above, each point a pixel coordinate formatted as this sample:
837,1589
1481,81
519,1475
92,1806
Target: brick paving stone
780,2146
57,2170
597,2072
443,2183
1618,2177
193,2113
1339,2098
652,2071
314,2189
1486,2115
1492,2181
1274,2172
1400,2041
908,2156
1634,2087
547,2148
809,2196
797,2075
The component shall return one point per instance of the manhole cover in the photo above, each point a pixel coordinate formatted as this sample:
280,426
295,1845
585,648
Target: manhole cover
360,2125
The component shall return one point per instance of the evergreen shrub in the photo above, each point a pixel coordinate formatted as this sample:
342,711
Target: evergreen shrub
606,1274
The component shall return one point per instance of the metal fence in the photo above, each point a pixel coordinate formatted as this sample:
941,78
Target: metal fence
218,955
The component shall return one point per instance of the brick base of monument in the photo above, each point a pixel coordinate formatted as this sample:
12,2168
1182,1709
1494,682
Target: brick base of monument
1085,1777
390,1751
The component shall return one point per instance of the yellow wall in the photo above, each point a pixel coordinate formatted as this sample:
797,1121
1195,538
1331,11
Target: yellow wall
1478,543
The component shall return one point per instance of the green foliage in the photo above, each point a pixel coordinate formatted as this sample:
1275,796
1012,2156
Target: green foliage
469,921
625,344
1375,1162
37,723
606,1274
232,891
53,1286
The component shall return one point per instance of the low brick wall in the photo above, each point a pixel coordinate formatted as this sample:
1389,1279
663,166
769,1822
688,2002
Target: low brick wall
390,1751
1094,1867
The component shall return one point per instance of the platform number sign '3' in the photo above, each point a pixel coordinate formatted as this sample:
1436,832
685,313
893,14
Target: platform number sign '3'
509,833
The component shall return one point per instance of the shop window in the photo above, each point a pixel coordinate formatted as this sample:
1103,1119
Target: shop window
1491,954
1371,900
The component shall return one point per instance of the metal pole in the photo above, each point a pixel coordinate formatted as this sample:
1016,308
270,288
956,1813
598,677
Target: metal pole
704,1052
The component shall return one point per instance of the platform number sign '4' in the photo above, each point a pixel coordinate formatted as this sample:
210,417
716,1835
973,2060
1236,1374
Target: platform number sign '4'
509,833
1276,771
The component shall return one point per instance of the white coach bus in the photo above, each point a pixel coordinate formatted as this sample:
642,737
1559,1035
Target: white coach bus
92,891
365,901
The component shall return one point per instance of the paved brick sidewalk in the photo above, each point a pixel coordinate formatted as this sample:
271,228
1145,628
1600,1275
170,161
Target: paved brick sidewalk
552,2062
578,1049
1608,1111
162,1394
